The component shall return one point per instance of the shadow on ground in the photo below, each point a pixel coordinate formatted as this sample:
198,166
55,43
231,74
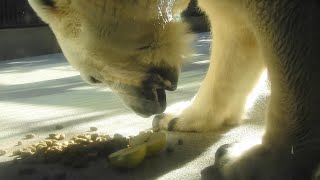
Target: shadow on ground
193,146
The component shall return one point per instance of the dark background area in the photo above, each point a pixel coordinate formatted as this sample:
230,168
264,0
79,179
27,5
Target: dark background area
17,14
23,34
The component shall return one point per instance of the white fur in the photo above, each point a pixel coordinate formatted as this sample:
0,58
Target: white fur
100,38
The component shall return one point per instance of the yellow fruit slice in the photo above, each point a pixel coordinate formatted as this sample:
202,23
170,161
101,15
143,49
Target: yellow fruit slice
145,144
128,158
140,139
156,143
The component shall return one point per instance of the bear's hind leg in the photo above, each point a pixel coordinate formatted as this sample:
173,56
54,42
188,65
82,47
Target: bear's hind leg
290,43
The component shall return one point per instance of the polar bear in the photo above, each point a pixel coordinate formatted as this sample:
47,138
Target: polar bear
136,47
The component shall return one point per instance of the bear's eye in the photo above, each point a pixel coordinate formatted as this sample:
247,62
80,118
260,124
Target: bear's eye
50,3
145,47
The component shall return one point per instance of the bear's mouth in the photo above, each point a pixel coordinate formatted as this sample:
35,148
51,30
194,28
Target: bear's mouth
144,102
153,103
148,98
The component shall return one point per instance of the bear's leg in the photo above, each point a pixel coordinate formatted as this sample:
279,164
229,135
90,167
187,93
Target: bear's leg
290,148
235,67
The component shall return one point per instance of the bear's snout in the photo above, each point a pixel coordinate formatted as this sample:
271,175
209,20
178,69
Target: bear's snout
144,101
162,77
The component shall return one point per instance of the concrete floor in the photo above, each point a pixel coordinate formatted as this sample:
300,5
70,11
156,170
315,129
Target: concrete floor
40,92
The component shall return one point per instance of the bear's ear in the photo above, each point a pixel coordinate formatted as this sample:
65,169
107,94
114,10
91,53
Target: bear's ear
44,8
42,3
50,3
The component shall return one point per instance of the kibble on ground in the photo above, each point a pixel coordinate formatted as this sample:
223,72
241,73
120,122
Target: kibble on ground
76,152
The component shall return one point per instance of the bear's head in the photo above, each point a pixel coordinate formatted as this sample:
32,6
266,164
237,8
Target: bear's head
133,46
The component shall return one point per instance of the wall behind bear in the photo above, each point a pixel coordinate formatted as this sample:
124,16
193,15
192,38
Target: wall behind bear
23,34
26,42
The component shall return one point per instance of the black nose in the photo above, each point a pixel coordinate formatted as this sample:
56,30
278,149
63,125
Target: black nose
169,77
94,80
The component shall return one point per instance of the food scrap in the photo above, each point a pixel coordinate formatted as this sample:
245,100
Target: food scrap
30,136
3,152
145,144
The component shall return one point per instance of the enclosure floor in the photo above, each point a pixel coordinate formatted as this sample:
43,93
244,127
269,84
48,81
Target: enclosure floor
40,92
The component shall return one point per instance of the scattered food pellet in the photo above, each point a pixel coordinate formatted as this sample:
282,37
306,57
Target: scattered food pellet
94,137
76,152
66,143
41,146
25,154
80,150
52,136
59,127
62,137
117,135
180,142
33,149
48,142
26,149
58,137
17,152
30,136
93,129
3,152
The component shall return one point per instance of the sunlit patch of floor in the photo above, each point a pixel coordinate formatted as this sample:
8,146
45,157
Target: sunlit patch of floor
40,92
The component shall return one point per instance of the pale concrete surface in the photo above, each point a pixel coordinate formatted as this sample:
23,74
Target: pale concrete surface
38,93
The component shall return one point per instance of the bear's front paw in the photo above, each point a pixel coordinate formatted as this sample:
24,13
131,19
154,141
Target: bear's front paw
258,163
165,121
187,118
